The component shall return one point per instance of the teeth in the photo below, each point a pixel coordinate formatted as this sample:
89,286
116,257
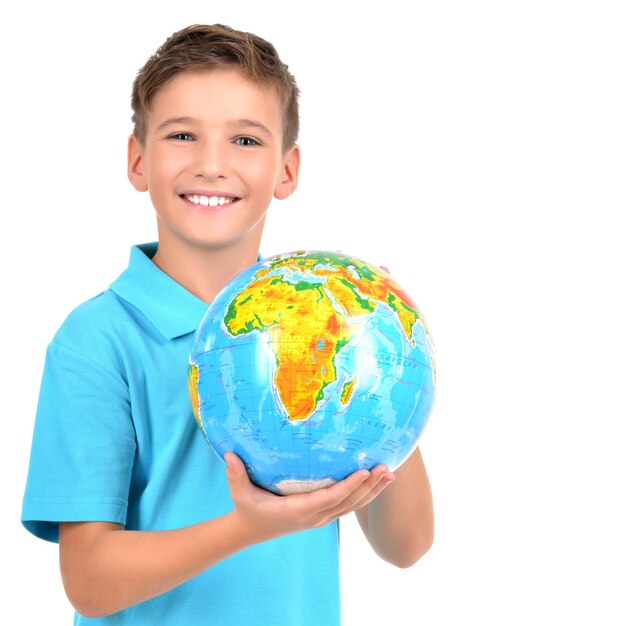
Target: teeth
209,200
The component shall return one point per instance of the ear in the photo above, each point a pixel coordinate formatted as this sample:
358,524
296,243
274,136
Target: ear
288,180
135,172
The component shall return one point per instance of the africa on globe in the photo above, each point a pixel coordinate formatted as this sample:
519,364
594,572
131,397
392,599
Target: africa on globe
309,366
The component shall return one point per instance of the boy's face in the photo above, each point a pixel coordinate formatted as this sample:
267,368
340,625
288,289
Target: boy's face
212,159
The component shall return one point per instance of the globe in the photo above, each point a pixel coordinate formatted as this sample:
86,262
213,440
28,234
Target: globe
309,366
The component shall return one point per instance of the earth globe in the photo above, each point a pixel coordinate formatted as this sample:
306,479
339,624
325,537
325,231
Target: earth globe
309,366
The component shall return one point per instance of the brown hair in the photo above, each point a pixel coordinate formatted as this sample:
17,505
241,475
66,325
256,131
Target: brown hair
206,47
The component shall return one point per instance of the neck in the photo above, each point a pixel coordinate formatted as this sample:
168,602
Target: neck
204,271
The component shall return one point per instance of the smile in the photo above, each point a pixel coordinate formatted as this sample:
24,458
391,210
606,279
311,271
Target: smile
209,200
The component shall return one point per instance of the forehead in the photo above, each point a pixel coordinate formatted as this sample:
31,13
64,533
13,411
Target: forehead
213,96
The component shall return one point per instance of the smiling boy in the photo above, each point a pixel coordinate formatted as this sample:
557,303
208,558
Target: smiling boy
212,159
151,528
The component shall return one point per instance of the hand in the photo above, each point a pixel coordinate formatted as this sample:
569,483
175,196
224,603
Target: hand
261,515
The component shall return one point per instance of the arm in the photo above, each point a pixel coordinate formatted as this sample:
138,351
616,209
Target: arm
399,523
106,568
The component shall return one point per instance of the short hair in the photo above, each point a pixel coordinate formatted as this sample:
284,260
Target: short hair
207,47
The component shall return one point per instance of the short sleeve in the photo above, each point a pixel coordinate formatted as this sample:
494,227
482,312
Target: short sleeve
83,445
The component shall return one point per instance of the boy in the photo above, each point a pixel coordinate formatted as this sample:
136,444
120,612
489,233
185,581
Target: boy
151,529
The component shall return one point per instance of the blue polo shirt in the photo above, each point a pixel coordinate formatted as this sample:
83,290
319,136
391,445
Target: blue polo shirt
115,440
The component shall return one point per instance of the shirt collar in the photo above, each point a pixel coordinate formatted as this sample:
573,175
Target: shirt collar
172,309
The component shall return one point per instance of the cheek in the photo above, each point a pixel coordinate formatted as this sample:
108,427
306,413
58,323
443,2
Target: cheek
263,175
161,180
165,165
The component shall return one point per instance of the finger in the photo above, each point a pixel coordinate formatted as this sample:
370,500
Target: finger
379,478
354,490
376,490
329,497
355,505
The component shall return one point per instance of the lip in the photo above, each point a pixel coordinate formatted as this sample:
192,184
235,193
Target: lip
208,192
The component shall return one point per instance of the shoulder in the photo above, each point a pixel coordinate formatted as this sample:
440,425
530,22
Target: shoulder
99,332
107,315
91,318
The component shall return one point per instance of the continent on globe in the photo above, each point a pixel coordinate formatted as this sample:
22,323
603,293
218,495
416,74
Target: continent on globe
311,365
279,306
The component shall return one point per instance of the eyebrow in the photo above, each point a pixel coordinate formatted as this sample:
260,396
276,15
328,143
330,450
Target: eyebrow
252,124
242,123
174,121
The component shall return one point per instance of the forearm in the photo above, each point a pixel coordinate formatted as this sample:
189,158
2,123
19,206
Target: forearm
106,568
399,523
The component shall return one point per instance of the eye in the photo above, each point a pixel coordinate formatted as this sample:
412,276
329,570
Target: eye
181,136
246,141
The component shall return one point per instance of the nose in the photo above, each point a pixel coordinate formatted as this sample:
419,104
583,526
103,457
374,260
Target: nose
211,160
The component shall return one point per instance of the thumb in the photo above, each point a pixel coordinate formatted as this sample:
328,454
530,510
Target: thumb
235,469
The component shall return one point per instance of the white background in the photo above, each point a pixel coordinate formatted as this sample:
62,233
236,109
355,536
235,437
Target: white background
478,149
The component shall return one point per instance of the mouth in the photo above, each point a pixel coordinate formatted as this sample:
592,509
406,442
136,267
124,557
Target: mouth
208,200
